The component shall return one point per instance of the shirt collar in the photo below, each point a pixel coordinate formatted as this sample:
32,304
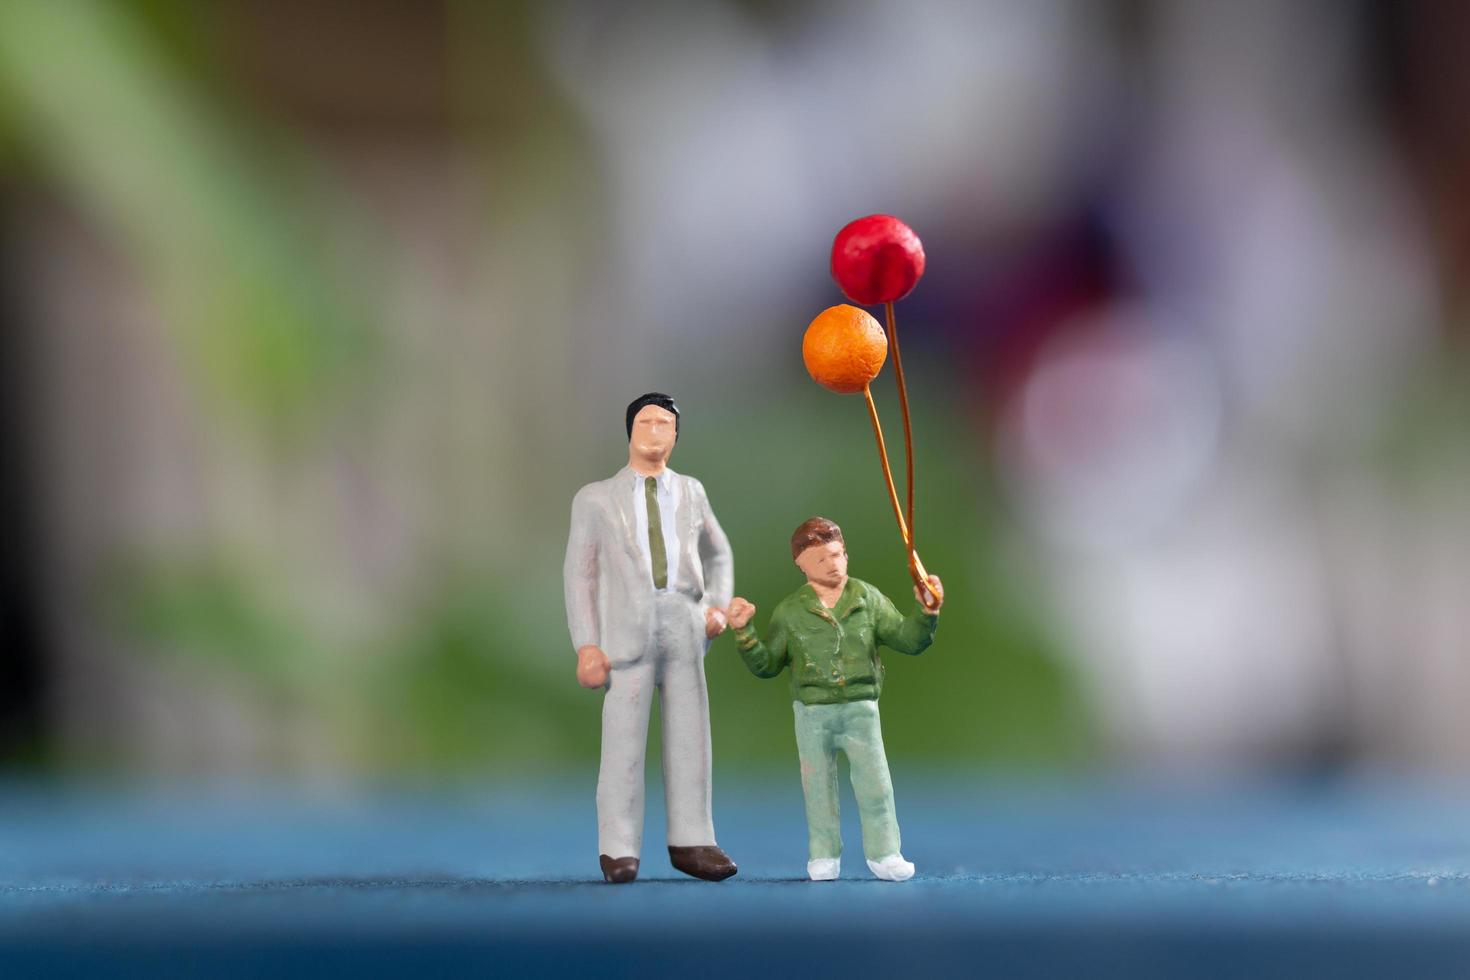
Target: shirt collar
847,603
664,481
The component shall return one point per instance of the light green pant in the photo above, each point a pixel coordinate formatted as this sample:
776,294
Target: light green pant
823,730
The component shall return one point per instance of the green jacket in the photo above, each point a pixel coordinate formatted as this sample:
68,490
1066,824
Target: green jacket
833,653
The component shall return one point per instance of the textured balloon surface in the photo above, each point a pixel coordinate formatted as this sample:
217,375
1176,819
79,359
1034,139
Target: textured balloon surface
877,259
844,349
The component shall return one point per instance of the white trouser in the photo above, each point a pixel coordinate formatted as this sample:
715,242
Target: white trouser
674,664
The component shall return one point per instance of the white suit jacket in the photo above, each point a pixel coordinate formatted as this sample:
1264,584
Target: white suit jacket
609,590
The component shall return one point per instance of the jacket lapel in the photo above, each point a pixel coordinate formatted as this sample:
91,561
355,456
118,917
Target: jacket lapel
851,601
848,603
684,530
814,604
622,493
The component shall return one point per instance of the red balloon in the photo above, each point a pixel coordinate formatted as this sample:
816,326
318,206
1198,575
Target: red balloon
877,259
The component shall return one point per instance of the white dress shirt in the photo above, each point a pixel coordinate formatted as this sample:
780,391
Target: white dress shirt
668,503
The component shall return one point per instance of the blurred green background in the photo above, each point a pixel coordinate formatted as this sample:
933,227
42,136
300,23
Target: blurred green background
316,315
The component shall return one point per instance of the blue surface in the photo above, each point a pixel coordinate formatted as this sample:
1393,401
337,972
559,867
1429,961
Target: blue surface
1015,880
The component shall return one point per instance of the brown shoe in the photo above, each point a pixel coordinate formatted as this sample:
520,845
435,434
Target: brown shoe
706,861
618,871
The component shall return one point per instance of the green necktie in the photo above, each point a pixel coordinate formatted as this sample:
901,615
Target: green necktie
656,552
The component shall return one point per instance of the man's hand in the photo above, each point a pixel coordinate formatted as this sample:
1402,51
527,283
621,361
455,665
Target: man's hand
937,588
741,612
592,667
714,622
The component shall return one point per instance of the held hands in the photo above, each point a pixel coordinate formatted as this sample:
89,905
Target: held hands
714,622
741,611
592,667
937,588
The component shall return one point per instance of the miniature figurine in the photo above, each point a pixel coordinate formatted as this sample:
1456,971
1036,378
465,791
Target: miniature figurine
828,632
648,573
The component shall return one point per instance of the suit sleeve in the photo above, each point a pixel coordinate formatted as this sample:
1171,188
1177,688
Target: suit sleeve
715,555
579,573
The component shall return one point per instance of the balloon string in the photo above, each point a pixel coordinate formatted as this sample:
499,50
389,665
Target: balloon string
903,406
903,528
916,567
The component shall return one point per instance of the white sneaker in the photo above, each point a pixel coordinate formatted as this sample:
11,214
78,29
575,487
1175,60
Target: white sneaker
825,869
892,868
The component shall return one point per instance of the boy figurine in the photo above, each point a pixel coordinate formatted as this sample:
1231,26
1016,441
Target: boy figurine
828,632
646,574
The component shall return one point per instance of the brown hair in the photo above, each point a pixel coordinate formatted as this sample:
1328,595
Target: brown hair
813,530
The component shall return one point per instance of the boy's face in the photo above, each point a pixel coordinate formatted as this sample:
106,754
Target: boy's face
824,564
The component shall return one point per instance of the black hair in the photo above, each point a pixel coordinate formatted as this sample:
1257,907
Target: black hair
653,398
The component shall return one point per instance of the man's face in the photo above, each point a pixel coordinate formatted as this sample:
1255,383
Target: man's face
654,432
824,564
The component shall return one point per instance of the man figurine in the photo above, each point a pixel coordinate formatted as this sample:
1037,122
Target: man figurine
648,573
828,632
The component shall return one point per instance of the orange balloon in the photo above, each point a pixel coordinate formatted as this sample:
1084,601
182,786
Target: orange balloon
844,349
